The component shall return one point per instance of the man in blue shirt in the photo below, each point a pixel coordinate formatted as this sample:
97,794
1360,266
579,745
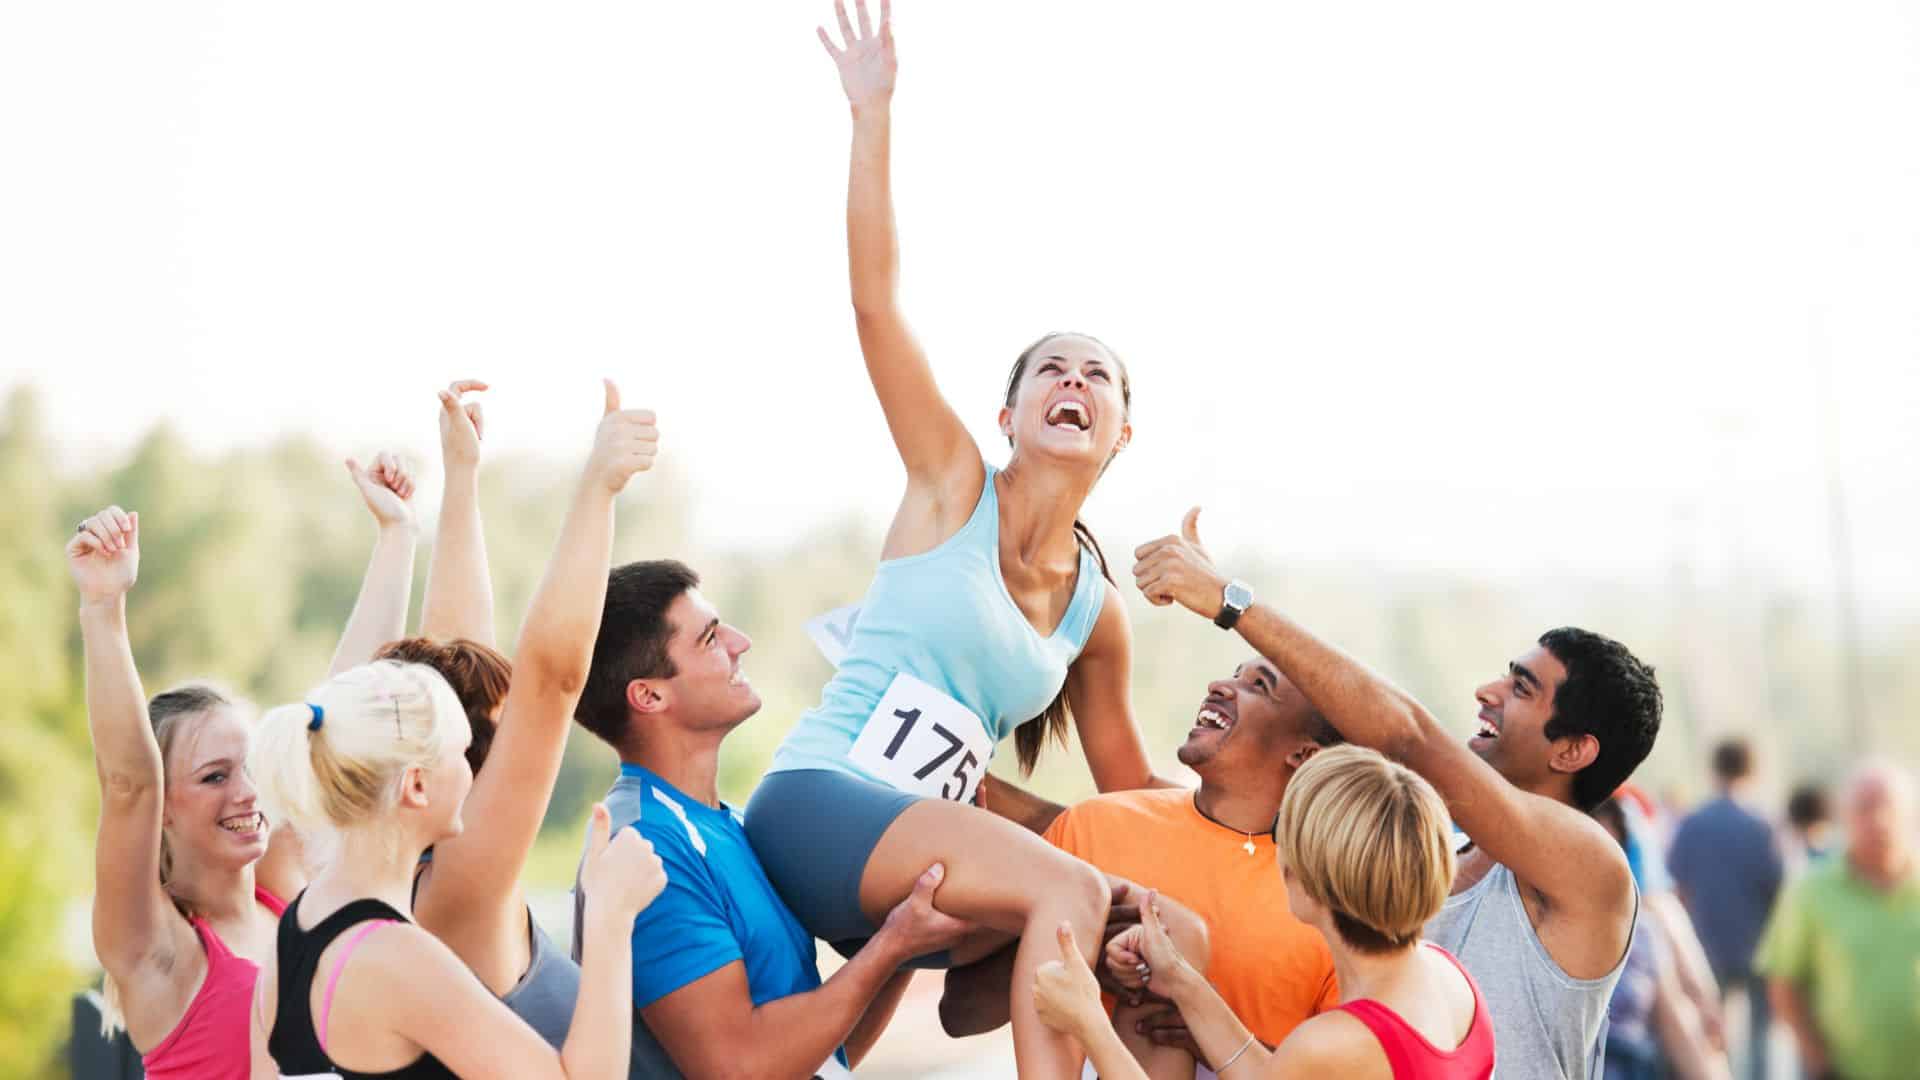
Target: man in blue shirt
724,978
1726,861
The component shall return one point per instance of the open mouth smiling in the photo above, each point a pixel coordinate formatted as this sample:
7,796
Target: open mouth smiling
1070,413
245,824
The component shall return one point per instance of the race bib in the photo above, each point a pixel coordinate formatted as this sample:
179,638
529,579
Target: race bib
832,633
833,1070
922,741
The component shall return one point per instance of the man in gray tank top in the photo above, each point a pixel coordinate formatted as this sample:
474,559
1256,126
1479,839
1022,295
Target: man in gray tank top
1544,903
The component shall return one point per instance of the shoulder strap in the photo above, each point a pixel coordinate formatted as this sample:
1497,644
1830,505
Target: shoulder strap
333,978
1388,1030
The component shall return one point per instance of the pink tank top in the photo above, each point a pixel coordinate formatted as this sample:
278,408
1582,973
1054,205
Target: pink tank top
1409,1052
212,1040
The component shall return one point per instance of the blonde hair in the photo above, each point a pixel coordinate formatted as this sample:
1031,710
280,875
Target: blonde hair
1368,838
167,713
335,760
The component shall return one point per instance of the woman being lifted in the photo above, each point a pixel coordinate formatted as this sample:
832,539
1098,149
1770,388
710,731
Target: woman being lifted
991,611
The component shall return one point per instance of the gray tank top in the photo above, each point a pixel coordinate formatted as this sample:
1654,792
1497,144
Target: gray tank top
545,994
1547,1025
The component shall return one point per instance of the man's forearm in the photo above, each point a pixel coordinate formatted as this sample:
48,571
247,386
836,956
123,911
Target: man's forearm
1365,708
1791,1006
794,1035
874,1020
1018,805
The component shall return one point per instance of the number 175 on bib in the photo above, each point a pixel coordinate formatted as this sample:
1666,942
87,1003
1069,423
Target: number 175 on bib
920,740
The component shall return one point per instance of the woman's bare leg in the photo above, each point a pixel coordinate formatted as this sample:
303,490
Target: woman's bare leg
1009,879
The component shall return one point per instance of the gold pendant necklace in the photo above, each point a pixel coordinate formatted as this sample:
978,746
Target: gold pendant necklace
1246,847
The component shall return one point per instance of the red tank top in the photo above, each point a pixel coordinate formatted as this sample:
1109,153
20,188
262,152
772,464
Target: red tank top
211,1041
1409,1052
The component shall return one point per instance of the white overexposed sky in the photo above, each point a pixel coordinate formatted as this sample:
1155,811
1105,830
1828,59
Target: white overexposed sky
1510,287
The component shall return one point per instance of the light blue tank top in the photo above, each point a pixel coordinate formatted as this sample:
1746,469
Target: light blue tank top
945,617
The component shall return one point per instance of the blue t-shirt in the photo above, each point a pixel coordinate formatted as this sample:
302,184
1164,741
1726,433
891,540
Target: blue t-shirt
718,906
1729,868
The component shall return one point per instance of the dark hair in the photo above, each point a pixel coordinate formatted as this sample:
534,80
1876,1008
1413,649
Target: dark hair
1321,731
1610,695
1732,759
478,674
633,640
1052,723
1807,806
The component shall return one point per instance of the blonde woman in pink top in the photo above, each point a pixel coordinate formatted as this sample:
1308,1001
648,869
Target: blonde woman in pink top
182,912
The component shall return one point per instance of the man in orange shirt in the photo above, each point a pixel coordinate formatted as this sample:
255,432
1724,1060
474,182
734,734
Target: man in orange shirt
1209,849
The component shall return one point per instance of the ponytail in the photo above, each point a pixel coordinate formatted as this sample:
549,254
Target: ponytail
1052,723
335,760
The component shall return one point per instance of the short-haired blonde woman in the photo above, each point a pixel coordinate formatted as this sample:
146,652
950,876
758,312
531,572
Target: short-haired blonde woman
1365,847
373,766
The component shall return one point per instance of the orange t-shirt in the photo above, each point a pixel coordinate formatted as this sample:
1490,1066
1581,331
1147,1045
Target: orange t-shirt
1272,969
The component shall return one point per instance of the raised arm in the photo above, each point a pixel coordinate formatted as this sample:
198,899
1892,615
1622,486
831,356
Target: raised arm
136,931
711,1027
380,611
1550,847
459,600
476,872
940,456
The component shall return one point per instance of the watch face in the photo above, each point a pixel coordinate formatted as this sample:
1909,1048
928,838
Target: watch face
1238,595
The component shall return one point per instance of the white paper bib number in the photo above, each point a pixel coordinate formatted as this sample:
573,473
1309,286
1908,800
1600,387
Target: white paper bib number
922,741
833,1070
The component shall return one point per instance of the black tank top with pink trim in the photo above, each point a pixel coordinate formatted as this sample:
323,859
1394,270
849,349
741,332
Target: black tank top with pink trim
297,1045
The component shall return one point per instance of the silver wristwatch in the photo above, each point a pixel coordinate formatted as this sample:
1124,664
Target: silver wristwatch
1235,599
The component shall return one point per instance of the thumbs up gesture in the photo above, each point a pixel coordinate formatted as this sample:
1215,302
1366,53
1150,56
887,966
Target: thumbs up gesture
621,875
1177,569
625,443
1065,992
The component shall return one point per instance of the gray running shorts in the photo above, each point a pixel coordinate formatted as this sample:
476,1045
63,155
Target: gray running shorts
813,830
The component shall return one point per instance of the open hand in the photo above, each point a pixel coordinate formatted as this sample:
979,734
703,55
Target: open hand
1064,990
625,443
622,871
387,487
917,926
1176,569
104,555
462,426
867,64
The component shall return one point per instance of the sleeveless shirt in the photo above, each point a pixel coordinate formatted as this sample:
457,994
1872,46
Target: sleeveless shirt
296,1043
211,1039
1412,1056
1547,1024
945,617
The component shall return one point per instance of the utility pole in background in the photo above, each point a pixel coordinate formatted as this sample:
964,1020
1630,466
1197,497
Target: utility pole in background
1853,690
